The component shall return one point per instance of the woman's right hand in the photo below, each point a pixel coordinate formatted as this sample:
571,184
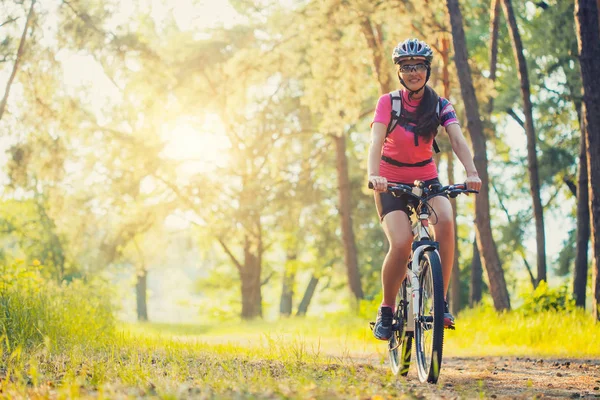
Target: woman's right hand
380,184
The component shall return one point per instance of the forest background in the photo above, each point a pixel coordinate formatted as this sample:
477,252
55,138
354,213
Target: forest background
204,163
213,155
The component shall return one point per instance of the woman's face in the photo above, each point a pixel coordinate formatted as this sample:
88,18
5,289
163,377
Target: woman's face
414,73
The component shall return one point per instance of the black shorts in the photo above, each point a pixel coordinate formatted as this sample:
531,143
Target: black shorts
386,203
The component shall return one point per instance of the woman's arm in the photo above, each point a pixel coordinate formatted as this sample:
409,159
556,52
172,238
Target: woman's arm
461,148
377,139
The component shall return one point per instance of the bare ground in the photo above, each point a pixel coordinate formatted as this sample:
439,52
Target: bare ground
510,377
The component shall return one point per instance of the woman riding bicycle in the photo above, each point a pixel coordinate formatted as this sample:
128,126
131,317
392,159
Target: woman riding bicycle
405,155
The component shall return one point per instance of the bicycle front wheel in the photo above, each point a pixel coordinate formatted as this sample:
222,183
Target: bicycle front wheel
400,344
429,326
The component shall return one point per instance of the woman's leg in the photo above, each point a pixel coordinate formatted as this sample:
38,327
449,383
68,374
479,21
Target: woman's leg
396,226
442,223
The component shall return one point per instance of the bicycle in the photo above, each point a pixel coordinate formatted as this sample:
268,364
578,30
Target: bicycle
420,309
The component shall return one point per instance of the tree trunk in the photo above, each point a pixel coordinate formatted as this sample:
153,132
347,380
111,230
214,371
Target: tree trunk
350,252
287,287
374,37
251,285
141,294
455,284
534,181
485,240
308,295
475,292
580,270
588,38
250,272
18,59
494,24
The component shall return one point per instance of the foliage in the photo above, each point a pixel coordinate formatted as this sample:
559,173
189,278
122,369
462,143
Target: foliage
37,312
484,331
89,179
546,299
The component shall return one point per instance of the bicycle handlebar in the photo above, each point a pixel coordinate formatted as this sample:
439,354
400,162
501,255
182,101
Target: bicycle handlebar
428,192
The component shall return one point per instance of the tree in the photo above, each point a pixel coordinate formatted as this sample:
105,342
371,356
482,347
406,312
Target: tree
580,271
18,58
588,37
485,241
532,163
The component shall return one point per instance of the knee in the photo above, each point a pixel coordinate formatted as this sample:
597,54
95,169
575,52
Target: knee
443,220
444,223
400,245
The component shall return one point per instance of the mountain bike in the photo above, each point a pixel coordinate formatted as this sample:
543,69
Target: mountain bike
420,302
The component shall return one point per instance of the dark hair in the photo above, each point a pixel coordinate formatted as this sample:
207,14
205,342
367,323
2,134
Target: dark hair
427,120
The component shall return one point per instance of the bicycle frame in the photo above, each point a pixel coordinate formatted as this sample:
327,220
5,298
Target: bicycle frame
421,242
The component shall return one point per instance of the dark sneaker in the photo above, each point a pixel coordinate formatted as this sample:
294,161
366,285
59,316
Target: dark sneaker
448,318
383,325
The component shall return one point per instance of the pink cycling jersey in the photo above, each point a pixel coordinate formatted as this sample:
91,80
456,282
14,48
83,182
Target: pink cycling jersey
400,143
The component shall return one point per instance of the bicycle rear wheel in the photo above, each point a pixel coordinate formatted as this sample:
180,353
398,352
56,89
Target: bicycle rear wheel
429,327
400,344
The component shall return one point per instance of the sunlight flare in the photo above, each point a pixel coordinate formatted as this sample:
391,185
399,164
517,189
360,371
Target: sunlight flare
200,146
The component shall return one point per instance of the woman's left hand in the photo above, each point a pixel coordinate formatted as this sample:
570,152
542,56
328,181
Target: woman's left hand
473,182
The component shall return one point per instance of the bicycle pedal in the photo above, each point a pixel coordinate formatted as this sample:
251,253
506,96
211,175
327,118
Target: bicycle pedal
372,325
451,327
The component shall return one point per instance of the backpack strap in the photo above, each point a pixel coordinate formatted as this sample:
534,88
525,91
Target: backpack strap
396,99
438,109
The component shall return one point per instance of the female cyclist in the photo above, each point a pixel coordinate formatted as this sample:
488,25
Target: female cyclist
405,155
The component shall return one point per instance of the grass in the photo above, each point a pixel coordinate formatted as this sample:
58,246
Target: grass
480,331
545,334
284,359
141,366
60,342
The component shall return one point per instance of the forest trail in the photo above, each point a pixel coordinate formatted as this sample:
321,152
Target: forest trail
461,377
510,377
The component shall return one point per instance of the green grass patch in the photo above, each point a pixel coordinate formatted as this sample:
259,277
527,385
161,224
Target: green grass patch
138,366
35,311
483,331
480,332
61,342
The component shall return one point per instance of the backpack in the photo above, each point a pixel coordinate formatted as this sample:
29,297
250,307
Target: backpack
396,99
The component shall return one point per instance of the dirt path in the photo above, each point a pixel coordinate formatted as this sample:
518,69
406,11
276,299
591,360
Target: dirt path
509,377
471,377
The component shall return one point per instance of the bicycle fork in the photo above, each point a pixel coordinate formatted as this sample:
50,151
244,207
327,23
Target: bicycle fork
415,293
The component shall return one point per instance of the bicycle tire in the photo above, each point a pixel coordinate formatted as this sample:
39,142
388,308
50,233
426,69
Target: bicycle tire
429,327
400,344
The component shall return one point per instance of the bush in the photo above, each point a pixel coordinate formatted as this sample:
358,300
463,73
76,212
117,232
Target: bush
546,299
34,311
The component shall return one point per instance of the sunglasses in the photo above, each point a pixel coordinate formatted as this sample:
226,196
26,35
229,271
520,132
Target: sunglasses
413,68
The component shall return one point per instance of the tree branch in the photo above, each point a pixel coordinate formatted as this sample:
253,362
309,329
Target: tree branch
571,185
230,254
87,20
531,277
267,279
8,21
17,61
512,113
